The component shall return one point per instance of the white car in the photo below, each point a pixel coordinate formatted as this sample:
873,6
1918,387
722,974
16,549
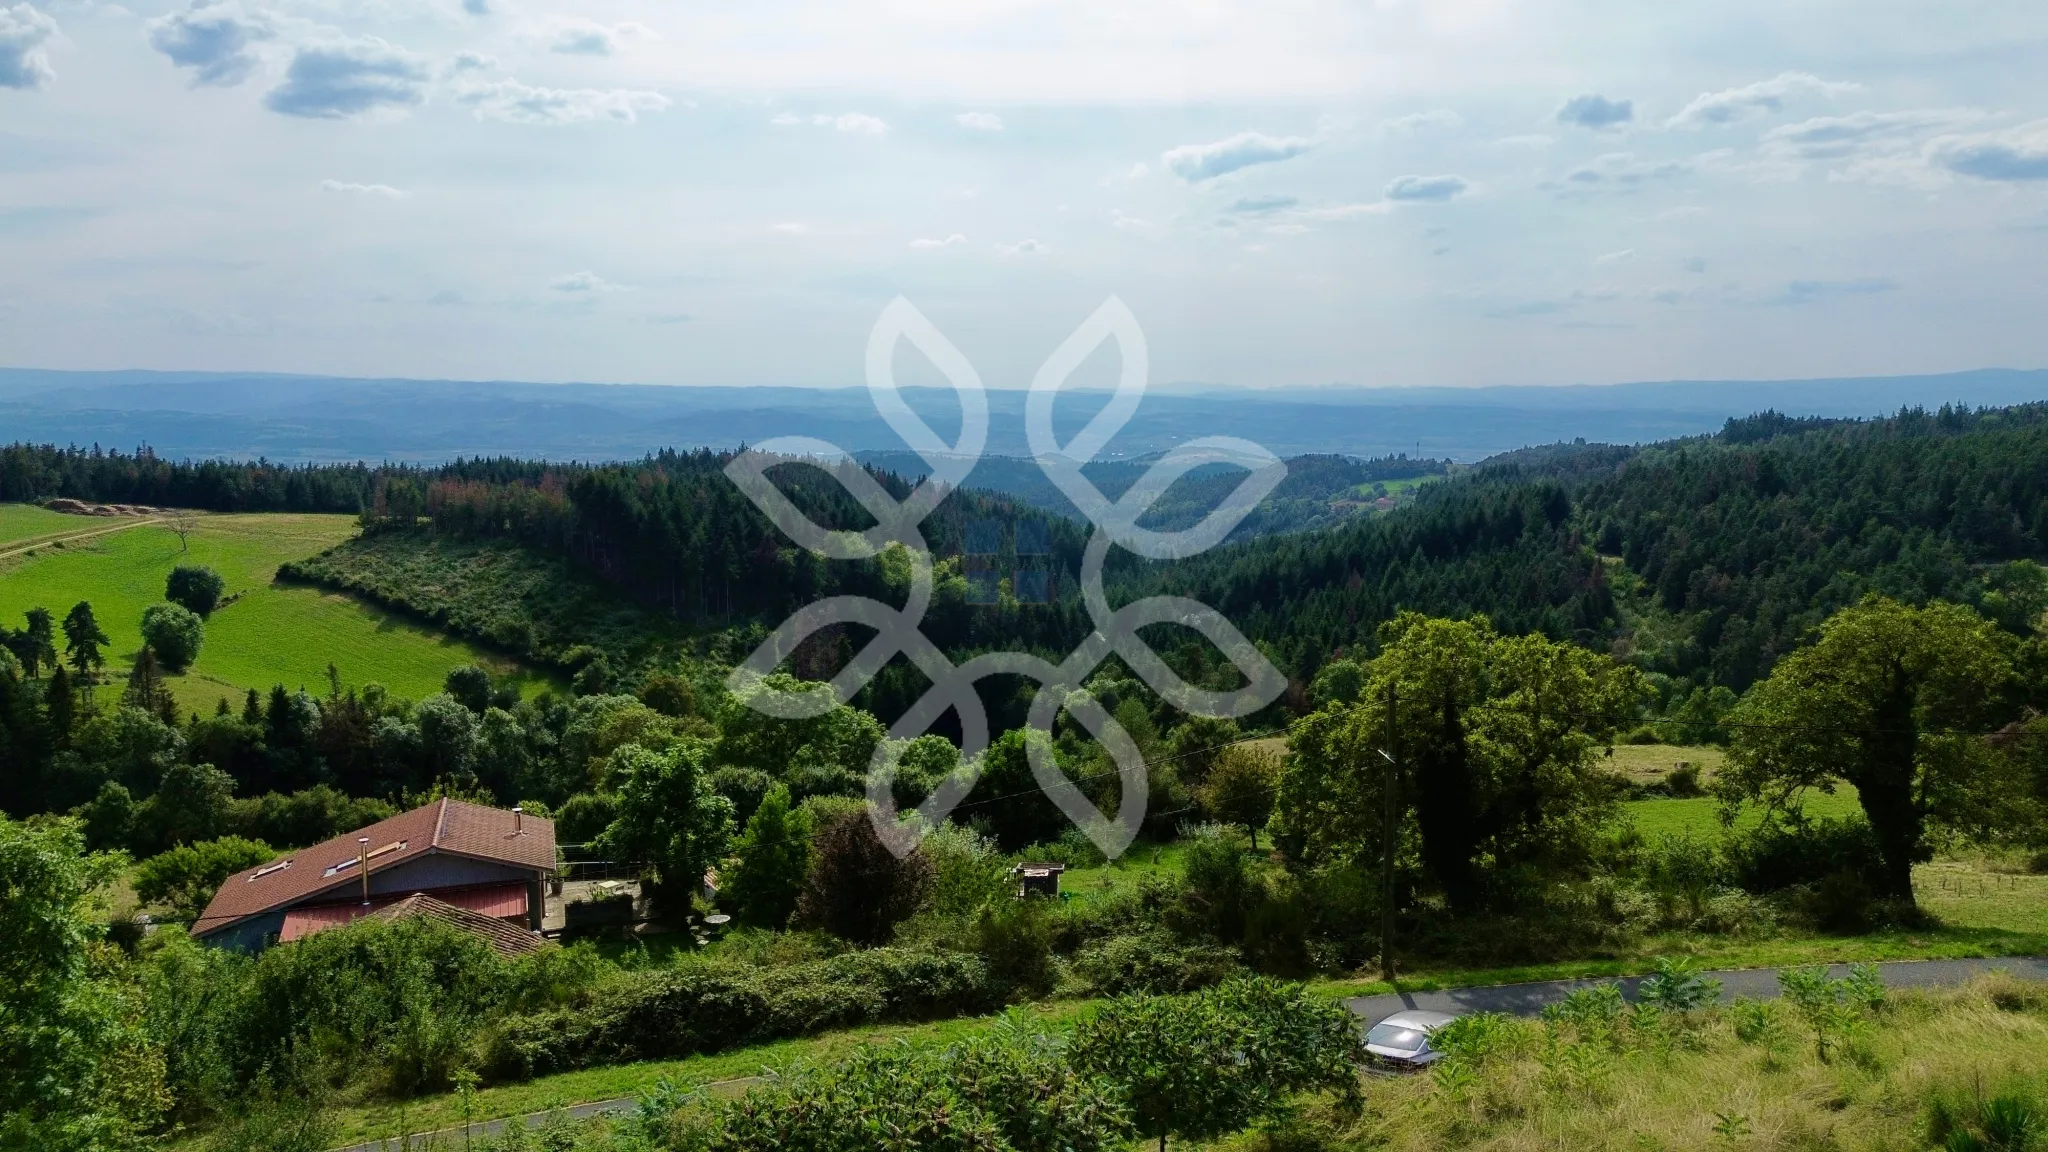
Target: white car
1403,1038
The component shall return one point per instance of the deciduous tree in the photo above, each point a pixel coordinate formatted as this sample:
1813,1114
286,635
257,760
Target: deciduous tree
1885,701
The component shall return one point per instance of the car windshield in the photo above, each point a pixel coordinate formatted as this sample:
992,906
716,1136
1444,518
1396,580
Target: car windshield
1400,1037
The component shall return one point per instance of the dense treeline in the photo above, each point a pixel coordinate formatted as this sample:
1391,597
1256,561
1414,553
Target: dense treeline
31,472
1740,543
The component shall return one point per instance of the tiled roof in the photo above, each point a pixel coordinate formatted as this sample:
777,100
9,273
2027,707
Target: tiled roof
509,939
493,901
446,826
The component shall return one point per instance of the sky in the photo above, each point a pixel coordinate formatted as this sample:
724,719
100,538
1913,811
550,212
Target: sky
1284,192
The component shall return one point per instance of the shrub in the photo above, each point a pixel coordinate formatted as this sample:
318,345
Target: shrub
1783,854
1678,986
967,870
1011,1090
1203,1065
682,1012
1150,963
186,877
1684,781
858,889
585,816
1014,938
174,633
194,587
1682,872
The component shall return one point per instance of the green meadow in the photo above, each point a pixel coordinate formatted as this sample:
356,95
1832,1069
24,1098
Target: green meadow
1702,815
20,523
265,634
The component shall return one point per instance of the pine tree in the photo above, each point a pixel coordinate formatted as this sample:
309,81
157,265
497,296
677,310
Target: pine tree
774,855
83,641
146,689
38,642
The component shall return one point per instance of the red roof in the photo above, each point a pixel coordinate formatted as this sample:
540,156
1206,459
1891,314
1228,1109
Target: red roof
465,910
452,827
494,901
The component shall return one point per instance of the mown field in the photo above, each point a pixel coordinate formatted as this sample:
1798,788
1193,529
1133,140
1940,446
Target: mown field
23,522
268,634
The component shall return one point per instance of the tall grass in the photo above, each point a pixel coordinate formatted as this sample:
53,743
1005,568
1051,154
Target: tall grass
1600,1077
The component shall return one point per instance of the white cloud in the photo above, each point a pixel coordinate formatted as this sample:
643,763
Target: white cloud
1427,189
1138,171
1532,140
1764,96
384,190
1840,137
853,122
1288,229
1119,220
517,103
1615,257
585,282
1421,122
1596,112
216,41
1197,162
344,78
1261,205
24,29
2018,154
980,121
1022,248
925,243
1624,168
472,62
574,36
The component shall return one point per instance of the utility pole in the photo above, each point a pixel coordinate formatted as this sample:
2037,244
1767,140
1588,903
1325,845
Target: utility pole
1389,821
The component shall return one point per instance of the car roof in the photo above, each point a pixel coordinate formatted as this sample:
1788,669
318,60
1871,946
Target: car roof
1417,1018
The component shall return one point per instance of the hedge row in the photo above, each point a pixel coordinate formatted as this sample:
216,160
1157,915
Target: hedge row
685,1012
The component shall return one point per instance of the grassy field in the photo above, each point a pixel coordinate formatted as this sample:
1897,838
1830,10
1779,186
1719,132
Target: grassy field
1650,763
22,522
1702,815
269,633
1701,1085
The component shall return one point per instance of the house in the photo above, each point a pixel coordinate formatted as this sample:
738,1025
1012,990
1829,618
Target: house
482,860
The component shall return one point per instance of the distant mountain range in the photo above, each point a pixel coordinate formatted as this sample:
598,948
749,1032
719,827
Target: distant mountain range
316,418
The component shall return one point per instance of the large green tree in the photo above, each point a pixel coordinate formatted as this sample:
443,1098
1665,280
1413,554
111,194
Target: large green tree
1886,701
74,1073
174,632
772,858
669,818
1490,741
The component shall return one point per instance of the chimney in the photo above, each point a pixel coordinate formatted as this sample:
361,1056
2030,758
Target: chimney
518,811
363,862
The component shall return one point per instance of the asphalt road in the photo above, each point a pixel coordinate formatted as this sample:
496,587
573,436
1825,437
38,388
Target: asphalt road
1514,999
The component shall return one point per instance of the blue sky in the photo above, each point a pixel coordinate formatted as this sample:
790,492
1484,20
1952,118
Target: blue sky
1286,192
